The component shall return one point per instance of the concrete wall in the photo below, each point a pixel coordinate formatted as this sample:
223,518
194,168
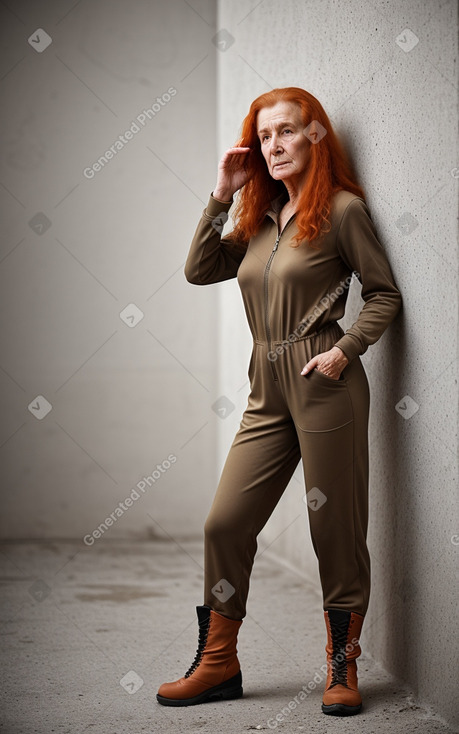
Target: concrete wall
77,248
384,72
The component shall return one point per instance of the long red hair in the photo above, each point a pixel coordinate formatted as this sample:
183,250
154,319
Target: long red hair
329,170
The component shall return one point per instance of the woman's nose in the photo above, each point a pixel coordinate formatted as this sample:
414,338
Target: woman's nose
275,144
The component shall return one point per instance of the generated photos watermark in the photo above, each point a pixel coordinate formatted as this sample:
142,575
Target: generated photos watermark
122,140
325,301
317,679
124,506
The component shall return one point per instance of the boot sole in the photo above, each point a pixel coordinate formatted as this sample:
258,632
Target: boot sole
340,709
227,691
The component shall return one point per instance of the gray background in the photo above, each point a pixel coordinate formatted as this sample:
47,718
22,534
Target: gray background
125,398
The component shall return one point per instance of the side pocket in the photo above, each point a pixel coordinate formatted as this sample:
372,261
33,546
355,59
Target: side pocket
328,378
323,403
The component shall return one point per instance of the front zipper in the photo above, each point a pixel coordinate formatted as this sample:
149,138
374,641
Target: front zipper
266,276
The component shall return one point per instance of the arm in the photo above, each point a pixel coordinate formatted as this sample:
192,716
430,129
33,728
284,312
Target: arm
213,258
360,249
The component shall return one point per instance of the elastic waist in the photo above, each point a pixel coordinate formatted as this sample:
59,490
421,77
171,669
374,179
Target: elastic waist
293,337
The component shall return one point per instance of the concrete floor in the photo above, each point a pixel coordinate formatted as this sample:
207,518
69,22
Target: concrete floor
77,621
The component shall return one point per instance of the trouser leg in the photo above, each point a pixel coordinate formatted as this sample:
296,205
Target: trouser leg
331,419
260,463
334,472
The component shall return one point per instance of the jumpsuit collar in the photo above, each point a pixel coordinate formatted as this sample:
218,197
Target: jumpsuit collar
276,205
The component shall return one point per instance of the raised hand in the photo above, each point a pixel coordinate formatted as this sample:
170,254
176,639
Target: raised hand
233,172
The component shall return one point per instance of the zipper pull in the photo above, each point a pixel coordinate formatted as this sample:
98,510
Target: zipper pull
276,244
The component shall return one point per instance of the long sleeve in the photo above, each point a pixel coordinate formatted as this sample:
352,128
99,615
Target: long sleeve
212,258
360,249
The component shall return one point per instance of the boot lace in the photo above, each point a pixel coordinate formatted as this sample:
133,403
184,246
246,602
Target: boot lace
203,633
339,632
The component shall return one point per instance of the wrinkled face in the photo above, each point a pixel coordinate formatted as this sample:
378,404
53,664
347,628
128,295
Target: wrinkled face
284,146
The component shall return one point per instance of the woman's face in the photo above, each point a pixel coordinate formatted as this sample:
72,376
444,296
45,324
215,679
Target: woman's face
284,145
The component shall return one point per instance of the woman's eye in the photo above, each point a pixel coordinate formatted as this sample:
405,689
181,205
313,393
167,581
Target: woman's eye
264,137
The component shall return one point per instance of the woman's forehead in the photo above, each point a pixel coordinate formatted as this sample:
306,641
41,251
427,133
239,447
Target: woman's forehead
278,113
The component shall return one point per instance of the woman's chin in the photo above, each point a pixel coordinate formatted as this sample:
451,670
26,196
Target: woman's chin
280,175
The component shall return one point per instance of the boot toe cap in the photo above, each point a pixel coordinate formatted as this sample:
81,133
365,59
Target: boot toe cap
339,694
183,689
168,690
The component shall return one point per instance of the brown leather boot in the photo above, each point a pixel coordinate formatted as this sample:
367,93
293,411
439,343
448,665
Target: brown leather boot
215,672
341,697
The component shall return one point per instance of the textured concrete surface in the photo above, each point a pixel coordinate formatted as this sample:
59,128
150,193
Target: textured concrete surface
385,72
76,621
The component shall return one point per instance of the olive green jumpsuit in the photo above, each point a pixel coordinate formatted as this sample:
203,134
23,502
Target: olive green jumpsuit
293,298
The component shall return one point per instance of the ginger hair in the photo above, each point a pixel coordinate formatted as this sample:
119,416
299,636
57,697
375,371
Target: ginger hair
329,171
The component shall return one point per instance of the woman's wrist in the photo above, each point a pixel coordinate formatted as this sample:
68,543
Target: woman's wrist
224,196
343,356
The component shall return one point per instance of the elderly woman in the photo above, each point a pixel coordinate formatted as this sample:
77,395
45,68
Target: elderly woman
302,232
